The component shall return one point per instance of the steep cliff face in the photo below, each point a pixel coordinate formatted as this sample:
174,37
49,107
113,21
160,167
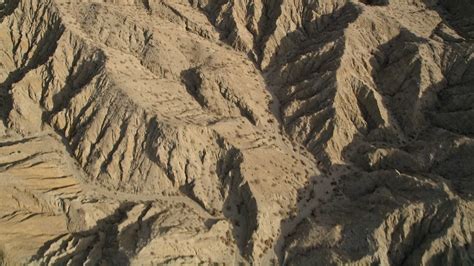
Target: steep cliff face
290,132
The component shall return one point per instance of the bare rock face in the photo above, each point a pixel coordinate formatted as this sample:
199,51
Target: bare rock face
288,132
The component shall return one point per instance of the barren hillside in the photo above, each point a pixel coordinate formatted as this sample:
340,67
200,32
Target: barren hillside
254,132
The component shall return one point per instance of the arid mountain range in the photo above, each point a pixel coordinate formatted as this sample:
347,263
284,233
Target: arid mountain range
237,132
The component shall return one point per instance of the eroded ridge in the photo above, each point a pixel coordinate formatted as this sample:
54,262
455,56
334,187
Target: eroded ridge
274,132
